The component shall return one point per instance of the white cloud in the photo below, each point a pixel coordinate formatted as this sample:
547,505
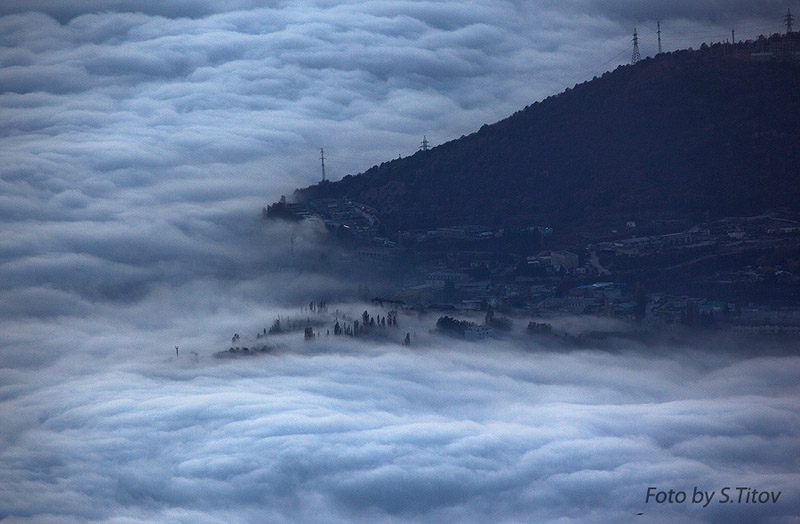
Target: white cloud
362,432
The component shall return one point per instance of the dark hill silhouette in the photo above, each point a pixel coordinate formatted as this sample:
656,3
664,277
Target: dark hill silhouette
682,133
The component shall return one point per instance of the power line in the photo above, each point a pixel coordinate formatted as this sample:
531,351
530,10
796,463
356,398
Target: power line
704,33
602,68
682,35
594,71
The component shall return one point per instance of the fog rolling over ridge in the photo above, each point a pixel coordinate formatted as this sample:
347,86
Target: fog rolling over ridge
139,143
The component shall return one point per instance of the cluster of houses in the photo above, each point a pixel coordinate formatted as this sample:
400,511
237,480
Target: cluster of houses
460,269
775,47
338,214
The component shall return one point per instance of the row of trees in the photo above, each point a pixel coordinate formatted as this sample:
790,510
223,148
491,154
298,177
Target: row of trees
366,324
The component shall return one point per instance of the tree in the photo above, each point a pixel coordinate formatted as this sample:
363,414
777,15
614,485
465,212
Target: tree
451,326
276,327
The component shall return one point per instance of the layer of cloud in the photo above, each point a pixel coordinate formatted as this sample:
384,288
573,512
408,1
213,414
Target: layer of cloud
116,430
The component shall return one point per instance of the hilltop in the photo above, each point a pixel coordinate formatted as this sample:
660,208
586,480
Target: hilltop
688,133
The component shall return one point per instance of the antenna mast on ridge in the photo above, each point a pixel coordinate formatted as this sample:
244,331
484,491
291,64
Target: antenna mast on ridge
322,158
424,145
788,19
636,56
659,37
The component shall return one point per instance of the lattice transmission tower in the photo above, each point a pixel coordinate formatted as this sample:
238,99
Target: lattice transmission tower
424,145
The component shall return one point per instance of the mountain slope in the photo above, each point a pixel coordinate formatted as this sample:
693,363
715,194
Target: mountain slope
680,133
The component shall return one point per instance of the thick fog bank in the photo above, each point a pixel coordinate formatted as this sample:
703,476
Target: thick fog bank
115,428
